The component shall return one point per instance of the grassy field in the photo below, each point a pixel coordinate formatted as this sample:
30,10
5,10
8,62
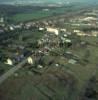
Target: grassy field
39,14
30,16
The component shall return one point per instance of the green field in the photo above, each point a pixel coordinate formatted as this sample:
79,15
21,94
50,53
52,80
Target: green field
30,16
39,14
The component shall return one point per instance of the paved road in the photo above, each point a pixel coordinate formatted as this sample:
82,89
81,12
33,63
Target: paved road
11,71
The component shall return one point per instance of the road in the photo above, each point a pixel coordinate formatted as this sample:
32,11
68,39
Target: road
12,71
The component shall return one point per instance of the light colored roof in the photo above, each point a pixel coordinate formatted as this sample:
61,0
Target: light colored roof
72,61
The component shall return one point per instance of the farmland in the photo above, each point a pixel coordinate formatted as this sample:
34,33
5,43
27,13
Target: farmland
41,87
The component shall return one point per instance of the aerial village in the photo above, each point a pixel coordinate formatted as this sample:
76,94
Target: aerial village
46,47
54,38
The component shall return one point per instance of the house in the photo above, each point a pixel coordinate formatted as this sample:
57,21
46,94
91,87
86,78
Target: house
63,30
9,62
65,40
11,28
30,60
41,28
81,34
53,30
90,19
40,66
68,41
72,61
17,26
65,35
76,31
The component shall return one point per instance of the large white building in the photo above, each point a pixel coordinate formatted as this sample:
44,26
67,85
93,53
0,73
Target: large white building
53,30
